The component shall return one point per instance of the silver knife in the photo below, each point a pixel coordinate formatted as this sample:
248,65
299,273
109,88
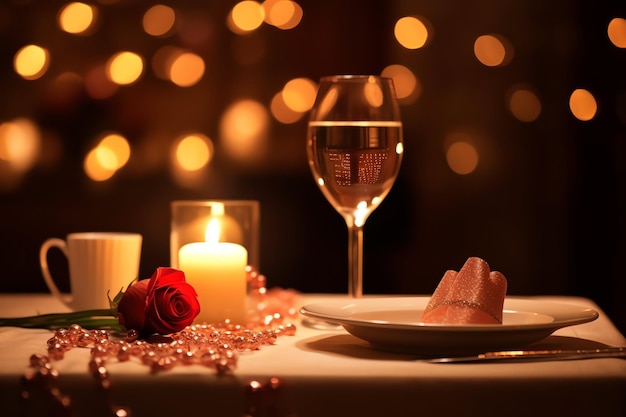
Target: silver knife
537,355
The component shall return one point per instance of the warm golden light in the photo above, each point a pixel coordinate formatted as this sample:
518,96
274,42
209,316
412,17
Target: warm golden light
20,144
282,112
159,20
246,16
411,32
31,62
284,14
299,94
243,130
212,232
524,105
617,32
125,68
186,69
77,18
493,50
462,158
583,104
95,164
408,87
193,152
109,155
118,146
106,158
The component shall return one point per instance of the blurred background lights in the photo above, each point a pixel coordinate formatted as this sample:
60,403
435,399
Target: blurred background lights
462,157
125,68
583,104
283,14
109,155
118,147
193,152
159,20
99,164
408,87
282,112
524,105
411,32
299,94
617,32
77,18
31,62
243,130
20,144
493,50
186,69
246,16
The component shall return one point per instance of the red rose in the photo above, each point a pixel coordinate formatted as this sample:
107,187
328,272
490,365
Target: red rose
164,304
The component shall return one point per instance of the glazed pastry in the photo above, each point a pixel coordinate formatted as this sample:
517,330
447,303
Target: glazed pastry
474,295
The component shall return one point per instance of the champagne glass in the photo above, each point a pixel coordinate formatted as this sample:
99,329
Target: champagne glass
354,147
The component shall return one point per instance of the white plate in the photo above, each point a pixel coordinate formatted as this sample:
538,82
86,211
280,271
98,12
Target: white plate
393,324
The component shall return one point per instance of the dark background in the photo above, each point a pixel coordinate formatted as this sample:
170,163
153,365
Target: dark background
545,206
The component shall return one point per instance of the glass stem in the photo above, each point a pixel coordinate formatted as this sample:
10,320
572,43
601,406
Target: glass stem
355,261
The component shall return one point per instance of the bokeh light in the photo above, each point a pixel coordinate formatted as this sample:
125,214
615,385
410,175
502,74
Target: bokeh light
118,145
412,32
617,32
193,152
98,164
282,112
31,62
125,68
243,130
299,94
187,69
284,14
77,18
159,20
524,105
20,143
109,155
246,16
583,104
407,85
462,157
493,50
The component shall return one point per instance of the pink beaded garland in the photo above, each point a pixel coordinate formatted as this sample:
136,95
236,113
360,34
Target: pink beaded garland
213,345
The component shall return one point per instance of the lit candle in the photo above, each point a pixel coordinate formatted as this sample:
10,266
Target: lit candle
217,271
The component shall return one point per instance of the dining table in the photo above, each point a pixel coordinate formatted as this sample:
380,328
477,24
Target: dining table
325,370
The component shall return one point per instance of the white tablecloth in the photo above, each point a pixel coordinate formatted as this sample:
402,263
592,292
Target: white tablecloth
332,373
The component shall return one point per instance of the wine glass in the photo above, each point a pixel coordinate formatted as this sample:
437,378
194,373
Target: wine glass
354,147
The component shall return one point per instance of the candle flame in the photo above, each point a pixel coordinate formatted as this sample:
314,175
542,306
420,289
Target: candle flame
212,234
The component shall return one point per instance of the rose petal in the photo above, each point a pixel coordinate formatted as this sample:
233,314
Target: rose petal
131,311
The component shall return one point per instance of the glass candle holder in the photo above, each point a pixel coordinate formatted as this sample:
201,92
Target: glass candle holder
234,221
212,242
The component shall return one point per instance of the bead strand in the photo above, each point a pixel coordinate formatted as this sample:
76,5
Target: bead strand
212,345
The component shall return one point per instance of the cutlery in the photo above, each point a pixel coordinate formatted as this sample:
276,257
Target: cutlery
537,355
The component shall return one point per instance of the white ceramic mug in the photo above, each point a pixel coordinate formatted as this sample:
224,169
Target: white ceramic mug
99,262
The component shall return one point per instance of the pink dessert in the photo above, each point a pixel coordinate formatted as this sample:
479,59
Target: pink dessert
474,295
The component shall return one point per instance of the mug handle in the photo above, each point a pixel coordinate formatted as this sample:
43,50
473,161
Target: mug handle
43,261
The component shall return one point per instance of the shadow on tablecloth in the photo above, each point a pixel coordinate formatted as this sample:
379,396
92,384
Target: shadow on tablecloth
350,346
